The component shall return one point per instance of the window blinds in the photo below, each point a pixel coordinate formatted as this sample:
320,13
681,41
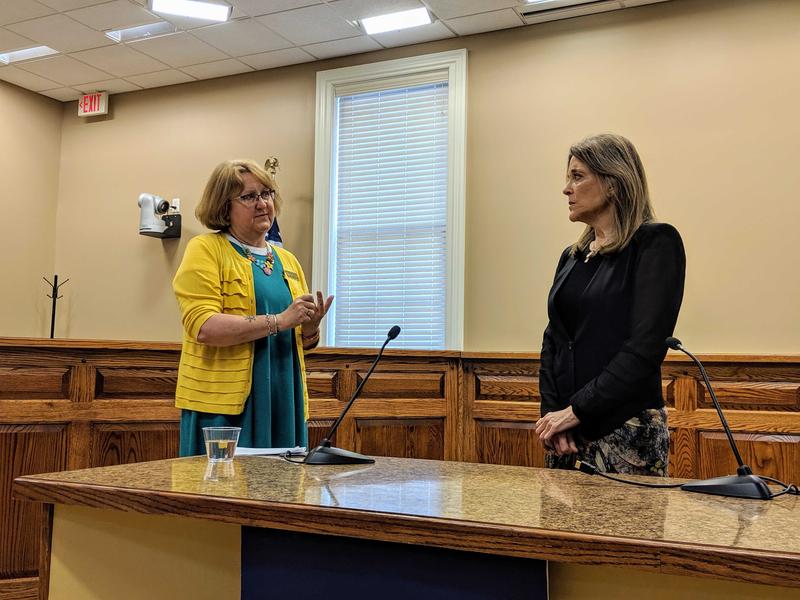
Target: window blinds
390,161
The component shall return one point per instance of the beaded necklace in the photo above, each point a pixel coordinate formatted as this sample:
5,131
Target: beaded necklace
269,259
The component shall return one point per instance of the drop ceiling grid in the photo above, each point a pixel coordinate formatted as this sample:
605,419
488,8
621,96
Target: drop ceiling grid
261,34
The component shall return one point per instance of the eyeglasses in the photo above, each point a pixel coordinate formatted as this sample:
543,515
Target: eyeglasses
251,198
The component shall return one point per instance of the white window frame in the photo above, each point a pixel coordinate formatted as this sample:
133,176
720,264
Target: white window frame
386,75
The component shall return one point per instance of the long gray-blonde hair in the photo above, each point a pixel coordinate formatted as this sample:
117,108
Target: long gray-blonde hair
615,160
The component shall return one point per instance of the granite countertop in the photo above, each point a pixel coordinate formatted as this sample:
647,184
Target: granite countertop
560,515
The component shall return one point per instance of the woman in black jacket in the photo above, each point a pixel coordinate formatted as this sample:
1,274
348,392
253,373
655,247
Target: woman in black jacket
614,300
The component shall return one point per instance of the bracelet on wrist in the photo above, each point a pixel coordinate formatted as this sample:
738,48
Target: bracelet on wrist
272,325
311,337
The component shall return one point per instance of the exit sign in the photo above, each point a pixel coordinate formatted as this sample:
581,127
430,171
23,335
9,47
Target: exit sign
93,104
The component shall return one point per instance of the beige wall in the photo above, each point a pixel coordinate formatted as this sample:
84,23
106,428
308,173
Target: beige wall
166,141
30,139
707,89
709,92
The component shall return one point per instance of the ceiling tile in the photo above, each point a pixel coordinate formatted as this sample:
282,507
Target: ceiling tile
178,50
279,58
151,80
63,5
12,11
414,35
353,10
239,38
448,9
12,41
309,25
112,86
343,47
64,70
25,79
219,68
499,19
256,8
64,94
118,14
62,33
120,60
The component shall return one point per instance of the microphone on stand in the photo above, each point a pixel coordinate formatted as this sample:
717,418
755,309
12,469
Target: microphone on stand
325,454
742,485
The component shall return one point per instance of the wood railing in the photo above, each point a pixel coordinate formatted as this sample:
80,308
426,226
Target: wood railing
78,404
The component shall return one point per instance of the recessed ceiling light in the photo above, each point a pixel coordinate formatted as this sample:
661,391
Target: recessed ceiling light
141,31
559,3
394,21
192,8
26,54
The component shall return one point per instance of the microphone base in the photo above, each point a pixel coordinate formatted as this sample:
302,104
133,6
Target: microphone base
733,486
330,455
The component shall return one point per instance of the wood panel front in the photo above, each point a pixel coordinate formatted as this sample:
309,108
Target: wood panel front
125,383
124,443
406,408
25,450
34,383
25,588
397,385
402,438
76,404
70,405
508,443
502,404
317,430
776,456
761,396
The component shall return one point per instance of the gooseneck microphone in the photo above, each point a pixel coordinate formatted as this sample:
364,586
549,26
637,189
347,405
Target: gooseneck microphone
742,485
325,453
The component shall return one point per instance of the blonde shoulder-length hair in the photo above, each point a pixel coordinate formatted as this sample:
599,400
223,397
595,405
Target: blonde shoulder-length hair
615,160
224,184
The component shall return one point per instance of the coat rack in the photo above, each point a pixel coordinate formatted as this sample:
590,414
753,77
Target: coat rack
54,287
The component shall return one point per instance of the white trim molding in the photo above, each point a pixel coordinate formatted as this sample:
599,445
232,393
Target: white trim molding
331,84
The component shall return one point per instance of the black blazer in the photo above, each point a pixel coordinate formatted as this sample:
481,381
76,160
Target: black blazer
611,370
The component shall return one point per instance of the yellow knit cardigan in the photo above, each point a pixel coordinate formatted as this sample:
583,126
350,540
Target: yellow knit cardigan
214,278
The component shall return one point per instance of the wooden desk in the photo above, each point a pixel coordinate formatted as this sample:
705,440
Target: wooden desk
603,540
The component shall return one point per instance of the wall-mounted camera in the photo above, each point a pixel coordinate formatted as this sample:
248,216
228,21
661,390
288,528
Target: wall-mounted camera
159,218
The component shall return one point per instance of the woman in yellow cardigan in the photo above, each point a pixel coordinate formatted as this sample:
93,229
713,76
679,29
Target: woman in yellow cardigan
247,319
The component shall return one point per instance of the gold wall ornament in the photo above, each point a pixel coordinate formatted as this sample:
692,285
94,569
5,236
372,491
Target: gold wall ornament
272,166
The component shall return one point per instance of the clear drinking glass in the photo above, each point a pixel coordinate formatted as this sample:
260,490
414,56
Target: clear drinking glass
221,442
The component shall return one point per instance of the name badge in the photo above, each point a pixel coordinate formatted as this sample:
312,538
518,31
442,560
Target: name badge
291,275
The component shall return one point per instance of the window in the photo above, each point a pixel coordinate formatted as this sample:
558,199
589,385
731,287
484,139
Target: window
389,201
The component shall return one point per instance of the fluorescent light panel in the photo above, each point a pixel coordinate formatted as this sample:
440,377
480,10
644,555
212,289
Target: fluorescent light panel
558,3
394,21
26,54
191,8
141,31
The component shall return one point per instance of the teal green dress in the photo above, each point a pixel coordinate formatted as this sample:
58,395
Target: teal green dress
273,415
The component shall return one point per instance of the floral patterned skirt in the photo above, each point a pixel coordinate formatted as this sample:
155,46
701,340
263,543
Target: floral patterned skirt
639,447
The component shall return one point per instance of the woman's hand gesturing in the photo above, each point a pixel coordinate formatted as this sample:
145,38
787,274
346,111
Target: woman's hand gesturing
300,311
321,307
